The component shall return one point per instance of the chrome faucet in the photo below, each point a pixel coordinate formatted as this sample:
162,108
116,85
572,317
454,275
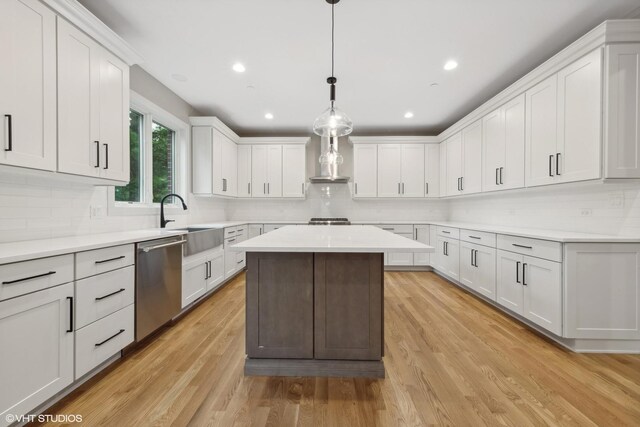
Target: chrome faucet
164,222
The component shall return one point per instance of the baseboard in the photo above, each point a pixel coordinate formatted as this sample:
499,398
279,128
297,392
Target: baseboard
408,268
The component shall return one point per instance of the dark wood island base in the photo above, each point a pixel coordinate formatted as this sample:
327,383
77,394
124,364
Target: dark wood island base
315,314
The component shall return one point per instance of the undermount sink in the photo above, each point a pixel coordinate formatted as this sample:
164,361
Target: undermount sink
200,239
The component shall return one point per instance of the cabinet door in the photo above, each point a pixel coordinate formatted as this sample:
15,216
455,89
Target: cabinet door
485,264
230,262
37,350
542,285
512,173
541,133
229,167
401,258
217,144
472,158
422,235
274,171
216,270
194,281
509,281
294,170
259,176
244,171
622,114
255,230
202,160
412,169
365,170
113,107
580,119
28,84
389,170
454,164
468,271
78,107
280,319
443,183
493,149
438,259
432,170
452,259
348,292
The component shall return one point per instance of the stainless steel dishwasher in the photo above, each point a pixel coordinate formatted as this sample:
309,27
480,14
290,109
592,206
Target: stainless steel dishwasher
158,283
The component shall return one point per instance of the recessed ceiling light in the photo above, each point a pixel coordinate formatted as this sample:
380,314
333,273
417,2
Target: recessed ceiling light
434,84
408,115
268,116
239,68
450,65
179,77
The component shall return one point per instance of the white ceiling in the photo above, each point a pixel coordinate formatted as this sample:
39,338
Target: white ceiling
387,55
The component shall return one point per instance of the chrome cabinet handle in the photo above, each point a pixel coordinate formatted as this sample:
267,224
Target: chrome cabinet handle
151,248
106,156
399,188
70,299
426,184
497,183
475,237
550,162
110,259
302,192
522,246
8,119
558,164
517,271
97,165
524,274
249,188
403,188
501,168
356,185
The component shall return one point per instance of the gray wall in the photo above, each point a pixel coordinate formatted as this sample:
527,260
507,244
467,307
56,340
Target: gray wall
149,87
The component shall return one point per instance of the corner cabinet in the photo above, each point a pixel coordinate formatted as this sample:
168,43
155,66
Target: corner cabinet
214,158
365,167
93,108
28,84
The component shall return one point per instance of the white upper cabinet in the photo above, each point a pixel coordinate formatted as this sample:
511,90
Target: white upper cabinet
541,132
401,170
563,127
580,119
214,164
28,84
443,183
365,170
294,171
453,164
389,170
266,170
244,171
432,170
93,108
503,146
622,111
471,181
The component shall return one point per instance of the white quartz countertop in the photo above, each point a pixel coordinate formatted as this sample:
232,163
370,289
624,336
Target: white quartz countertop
319,238
224,224
32,249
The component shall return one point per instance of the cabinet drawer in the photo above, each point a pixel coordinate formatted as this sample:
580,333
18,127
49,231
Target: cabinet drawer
545,249
90,263
21,278
478,237
242,229
231,241
230,232
104,294
452,233
100,340
397,228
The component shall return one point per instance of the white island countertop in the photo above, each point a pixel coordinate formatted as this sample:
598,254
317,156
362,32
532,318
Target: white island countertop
32,249
337,238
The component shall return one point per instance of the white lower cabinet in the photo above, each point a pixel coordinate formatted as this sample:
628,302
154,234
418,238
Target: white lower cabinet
37,349
422,235
448,257
202,273
255,230
602,291
478,268
532,288
103,339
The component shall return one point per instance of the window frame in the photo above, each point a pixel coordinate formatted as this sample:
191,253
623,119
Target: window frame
153,113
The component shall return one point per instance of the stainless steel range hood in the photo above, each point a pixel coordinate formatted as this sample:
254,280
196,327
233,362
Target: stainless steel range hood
329,174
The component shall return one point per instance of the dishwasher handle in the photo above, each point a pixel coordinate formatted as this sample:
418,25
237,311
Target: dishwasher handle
164,245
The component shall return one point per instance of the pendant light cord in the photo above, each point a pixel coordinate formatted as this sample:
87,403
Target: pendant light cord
332,37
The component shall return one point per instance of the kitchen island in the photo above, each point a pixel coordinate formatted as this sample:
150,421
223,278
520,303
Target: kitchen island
315,300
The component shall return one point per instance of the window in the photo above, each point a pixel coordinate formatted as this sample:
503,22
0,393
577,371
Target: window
158,147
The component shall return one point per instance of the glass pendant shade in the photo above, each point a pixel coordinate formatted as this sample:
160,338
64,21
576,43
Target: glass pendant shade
332,123
331,157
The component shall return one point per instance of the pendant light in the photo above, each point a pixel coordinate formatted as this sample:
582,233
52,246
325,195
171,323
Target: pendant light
332,123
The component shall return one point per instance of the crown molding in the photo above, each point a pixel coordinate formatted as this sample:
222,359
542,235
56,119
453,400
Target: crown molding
394,139
296,140
80,16
609,32
216,123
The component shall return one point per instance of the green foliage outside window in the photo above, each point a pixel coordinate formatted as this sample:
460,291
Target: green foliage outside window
163,161
132,192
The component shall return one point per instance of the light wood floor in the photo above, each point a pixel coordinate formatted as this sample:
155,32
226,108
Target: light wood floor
451,360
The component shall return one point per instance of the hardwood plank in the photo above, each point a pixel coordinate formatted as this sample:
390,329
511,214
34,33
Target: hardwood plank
451,359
